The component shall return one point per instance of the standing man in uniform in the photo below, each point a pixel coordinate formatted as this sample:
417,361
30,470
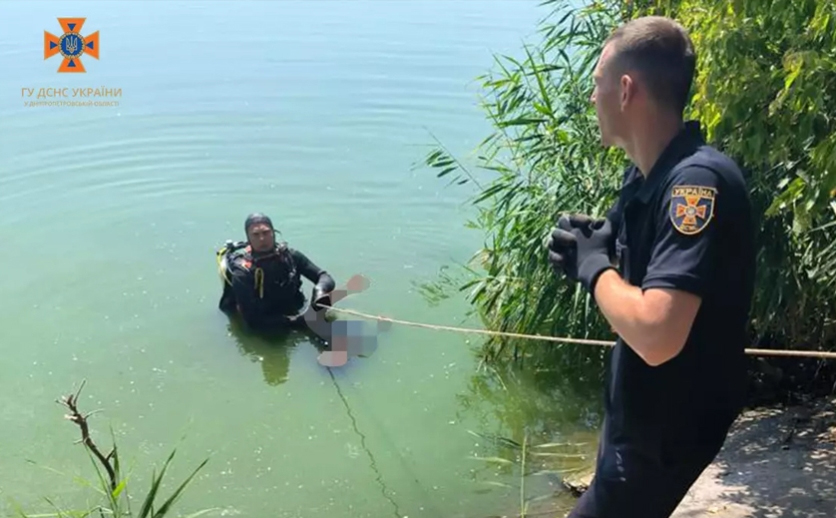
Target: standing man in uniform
671,267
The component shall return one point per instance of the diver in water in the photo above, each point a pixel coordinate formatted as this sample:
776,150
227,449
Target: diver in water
262,279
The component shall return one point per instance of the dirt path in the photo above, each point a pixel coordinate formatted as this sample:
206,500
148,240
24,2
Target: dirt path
776,463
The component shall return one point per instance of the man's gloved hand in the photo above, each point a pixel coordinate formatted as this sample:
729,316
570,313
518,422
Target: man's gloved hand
319,296
581,247
562,247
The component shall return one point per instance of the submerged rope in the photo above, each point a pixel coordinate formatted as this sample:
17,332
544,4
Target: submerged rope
379,477
559,339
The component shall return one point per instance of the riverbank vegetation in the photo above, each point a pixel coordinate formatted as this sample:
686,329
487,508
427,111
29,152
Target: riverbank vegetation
111,485
765,94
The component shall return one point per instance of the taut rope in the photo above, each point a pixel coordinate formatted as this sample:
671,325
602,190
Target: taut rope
559,339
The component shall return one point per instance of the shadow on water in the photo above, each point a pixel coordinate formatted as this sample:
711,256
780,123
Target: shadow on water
271,349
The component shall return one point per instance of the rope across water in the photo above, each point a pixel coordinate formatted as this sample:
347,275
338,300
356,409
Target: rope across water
559,339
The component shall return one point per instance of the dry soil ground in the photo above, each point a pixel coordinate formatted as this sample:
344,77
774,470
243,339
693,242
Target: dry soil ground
776,463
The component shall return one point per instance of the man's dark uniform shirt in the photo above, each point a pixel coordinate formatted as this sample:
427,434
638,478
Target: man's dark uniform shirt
687,226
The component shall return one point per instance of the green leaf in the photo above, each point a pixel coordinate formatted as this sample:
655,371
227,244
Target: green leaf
447,171
119,488
178,492
147,505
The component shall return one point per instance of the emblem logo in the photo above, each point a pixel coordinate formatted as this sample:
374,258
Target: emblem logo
71,45
692,208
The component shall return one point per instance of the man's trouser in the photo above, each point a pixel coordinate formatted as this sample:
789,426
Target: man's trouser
633,481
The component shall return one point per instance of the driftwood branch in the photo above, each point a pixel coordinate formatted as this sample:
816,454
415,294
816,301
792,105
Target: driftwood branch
71,402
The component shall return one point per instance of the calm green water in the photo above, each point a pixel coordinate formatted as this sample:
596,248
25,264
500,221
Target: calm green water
312,112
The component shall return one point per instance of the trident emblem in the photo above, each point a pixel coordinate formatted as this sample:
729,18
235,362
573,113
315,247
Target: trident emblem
71,45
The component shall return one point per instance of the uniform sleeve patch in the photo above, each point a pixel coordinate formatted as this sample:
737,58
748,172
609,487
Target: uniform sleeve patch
692,208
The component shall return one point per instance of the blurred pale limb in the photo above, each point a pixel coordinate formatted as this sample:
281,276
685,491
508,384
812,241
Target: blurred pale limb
345,338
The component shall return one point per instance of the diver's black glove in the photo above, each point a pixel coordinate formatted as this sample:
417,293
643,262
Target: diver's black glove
582,248
324,286
319,296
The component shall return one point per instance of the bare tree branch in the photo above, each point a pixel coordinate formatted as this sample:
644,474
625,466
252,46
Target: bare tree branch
71,402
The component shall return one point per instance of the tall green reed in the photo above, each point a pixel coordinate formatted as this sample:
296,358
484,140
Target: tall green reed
765,92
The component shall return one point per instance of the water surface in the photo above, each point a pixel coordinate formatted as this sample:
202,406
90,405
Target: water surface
313,112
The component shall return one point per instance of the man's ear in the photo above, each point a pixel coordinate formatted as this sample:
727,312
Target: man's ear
628,90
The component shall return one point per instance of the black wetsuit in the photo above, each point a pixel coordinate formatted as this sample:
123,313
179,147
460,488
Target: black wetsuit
266,288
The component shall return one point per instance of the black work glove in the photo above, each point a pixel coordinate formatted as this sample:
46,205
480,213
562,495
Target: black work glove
319,296
322,291
562,247
582,248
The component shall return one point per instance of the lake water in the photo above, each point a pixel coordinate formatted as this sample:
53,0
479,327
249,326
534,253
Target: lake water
313,112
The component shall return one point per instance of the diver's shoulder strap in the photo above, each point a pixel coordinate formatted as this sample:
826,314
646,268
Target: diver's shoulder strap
289,255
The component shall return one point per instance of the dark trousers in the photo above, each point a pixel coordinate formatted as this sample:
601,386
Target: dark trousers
648,481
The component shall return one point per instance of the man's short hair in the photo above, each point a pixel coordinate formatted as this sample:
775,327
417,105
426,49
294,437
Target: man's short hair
659,49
